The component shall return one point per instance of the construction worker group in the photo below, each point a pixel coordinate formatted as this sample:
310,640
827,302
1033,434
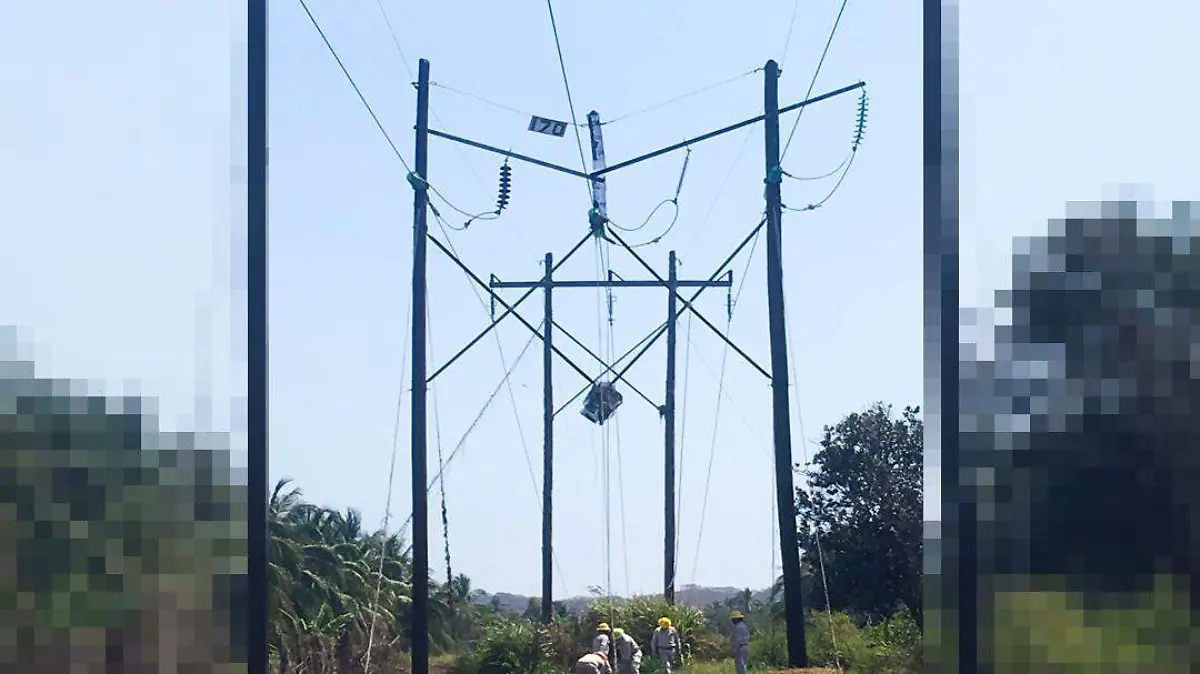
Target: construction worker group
615,652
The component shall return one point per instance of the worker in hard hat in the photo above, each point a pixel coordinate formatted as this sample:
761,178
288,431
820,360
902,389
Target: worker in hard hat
664,643
629,654
740,641
601,642
594,663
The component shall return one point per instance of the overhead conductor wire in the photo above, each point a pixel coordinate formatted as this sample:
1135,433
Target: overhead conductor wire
562,65
600,325
353,84
484,215
812,83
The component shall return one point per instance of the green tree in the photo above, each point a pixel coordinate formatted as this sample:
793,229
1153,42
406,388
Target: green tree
864,503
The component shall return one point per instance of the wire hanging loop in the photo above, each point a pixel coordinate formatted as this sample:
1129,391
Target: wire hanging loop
860,129
673,201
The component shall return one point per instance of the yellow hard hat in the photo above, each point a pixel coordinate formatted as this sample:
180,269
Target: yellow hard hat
736,615
618,632
602,627
664,622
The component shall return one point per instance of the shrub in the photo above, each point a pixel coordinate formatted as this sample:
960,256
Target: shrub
569,638
893,646
834,639
639,618
510,647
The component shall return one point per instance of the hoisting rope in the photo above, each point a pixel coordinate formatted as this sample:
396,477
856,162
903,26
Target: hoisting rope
512,398
720,397
609,354
437,439
437,430
604,442
682,444
837,656
387,504
462,441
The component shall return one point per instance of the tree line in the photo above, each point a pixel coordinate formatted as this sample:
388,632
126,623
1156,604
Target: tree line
339,590
124,544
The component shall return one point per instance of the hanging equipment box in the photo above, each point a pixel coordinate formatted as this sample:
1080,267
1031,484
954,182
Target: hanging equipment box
601,402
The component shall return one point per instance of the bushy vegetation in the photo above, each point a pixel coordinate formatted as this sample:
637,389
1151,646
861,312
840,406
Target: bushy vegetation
341,594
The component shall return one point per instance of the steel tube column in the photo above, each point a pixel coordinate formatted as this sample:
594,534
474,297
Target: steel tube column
669,449
784,487
548,446
420,436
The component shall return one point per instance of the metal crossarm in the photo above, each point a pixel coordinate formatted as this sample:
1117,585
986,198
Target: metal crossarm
688,306
567,359
507,312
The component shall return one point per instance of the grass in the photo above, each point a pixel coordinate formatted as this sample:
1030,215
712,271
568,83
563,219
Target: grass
726,667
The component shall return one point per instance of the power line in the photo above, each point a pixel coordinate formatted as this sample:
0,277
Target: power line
350,79
712,205
562,64
836,186
681,97
486,215
674,201
395,40
481,99
619,118
839,167
462,155
812,83
787,42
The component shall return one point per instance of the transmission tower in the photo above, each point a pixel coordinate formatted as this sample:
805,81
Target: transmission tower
603,398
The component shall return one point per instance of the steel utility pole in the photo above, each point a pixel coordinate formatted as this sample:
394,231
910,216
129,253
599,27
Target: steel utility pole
673,284
548,446
420,501
793,599
669,439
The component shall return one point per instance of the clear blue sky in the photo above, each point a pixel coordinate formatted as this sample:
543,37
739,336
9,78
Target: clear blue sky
341,245
117,170
116,200
115,162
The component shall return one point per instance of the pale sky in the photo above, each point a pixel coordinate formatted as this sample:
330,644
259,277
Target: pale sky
116,167
117,149
341,246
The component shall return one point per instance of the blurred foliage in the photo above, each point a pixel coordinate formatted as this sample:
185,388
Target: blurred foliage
118,542
1038,630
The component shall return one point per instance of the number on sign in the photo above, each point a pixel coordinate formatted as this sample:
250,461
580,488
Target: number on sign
549,127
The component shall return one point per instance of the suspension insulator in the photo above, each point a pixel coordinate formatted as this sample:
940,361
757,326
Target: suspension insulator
505,187
861,126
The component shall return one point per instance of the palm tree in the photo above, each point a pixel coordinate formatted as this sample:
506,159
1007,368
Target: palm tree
334,588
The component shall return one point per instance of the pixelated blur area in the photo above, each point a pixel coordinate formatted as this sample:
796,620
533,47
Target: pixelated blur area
1079,427
122,547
